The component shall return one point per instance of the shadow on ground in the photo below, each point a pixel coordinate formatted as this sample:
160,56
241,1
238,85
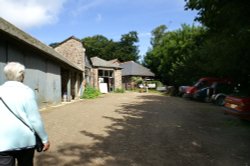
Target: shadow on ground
160,131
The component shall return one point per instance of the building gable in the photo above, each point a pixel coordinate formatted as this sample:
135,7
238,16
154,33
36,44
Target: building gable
73,50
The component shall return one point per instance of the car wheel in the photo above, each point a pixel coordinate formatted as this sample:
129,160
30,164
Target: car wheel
220,101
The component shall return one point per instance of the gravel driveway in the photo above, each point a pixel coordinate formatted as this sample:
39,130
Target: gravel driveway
143,129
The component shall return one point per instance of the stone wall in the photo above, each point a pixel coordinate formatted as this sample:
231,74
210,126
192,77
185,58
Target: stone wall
118,79
73,50
95,80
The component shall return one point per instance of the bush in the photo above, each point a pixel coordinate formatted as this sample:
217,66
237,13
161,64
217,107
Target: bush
137,80
90,93
118,90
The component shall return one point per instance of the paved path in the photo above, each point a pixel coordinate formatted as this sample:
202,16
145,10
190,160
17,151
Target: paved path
143,129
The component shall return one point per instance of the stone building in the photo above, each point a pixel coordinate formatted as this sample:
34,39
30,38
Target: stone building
88,72
106,72
96,70
132,69
73,50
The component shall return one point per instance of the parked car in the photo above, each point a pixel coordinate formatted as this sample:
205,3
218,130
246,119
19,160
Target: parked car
215,93
238,104
203,94
200,84
219,99
182,90
221,91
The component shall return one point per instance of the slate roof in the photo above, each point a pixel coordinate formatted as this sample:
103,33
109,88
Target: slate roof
98,62
132,68
20,35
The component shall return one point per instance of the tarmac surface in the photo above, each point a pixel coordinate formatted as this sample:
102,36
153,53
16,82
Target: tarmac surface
143,129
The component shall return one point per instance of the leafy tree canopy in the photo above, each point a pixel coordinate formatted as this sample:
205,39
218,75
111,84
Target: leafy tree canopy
123,50
226,44
173,52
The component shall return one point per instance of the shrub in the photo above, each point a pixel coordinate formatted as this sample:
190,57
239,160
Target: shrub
90,93
137,80
118,90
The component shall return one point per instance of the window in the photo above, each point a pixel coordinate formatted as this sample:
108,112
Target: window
105,73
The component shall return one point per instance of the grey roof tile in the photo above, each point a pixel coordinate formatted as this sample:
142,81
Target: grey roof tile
132,68
98,62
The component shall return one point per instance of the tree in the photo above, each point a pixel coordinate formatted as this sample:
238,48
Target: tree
98,45
157,35
153,57
219,48
128,50
123,50
226,45
173,53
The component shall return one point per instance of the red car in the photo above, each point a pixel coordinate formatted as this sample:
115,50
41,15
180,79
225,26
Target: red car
238,106
202,83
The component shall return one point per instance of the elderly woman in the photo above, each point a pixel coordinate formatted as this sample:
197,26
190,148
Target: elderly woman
17,141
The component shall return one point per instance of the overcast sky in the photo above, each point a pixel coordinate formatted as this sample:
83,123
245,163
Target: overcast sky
55,20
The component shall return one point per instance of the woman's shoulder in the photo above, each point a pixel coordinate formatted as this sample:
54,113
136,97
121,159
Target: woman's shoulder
18,87
28,89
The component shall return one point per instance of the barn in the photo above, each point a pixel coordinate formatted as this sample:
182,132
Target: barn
48,73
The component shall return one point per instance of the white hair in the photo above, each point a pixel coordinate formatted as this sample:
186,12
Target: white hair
14,71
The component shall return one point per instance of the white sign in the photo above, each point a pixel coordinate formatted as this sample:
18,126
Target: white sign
103,87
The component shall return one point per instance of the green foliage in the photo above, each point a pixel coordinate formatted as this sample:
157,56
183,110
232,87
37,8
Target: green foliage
127,49
98,45
158,34
225,47
137,80
90,93
173,54
219,48
119,90
123,50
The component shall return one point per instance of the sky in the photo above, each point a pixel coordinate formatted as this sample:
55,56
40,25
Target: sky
55,20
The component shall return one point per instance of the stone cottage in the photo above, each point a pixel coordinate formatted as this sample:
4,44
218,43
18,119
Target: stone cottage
96,70
73,50
106,72
132,69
